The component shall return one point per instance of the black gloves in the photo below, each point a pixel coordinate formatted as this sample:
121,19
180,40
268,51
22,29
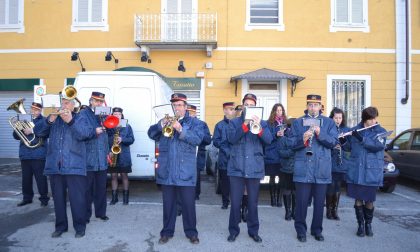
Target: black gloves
356,134
342,140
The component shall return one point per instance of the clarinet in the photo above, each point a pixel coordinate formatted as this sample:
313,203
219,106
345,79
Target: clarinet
339,158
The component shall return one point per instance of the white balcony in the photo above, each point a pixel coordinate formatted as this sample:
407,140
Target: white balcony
176,31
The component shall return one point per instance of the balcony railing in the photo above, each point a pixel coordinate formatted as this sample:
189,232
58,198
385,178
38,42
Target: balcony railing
176,28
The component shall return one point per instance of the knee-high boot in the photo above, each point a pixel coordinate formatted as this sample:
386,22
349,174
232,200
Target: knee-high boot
279,195
334,210
287,199
114,198
360,220
125,197
329,206
272,188
368,214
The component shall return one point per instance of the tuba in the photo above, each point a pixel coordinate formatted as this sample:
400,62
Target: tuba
20,126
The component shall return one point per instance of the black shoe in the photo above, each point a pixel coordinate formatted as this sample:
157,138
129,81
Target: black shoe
231,238
79,234
164,239
224,206
24,202
44,204
104,218
301,238
256,238
57,233
194,240
318,237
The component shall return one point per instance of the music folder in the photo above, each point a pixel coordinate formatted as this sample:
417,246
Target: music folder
103,111
51,101
123,123
251,111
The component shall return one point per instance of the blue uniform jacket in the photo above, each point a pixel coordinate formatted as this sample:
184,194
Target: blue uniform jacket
97,147
246,156
345,156
220,141
40,152
367,157
285,152
66,154
201,152
271,155
177,161
315,168
127,139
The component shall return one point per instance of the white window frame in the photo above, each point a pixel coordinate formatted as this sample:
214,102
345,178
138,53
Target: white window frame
336,27
90,26
18,28
368,89
249,26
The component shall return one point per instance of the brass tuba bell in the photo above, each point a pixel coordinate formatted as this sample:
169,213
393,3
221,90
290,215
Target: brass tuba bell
20,126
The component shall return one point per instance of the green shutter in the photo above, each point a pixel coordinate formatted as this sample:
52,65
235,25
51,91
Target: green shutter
18,84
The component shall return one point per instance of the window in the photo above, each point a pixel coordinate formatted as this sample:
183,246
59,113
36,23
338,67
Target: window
416,141
351,94
90,15
11,16
264,14
402,143
349,15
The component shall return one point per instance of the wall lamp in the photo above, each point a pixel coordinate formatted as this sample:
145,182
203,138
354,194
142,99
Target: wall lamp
181,66
109,56
75,56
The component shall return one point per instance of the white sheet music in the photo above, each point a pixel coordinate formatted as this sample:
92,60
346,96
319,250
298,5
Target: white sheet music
162,110
251,111
51,101
102,111
123,123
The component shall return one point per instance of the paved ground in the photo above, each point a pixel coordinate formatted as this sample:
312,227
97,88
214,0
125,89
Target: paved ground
136,227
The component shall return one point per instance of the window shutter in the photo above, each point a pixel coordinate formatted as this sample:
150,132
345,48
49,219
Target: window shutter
342,11
82,11
357,12
2,12
97,6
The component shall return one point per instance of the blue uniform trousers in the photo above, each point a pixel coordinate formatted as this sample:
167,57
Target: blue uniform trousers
75,185
224,186
186,195
237,186
304,192
198,184
34,168
96,193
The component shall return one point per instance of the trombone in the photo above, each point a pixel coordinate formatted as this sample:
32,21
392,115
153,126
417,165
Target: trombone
20,126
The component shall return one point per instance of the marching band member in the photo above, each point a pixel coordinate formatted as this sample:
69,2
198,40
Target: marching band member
276,124
177,171
32,161
246,168
125,138
365,171
66,165
97,150
339,167
220,141
312,172
287,159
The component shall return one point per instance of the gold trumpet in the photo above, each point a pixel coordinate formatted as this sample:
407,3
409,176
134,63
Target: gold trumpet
69,93
168,129
20,126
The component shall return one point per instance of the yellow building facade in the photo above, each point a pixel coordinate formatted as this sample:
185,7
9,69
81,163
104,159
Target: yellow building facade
346,50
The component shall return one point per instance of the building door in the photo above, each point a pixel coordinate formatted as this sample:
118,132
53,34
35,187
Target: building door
9,147
179,20
267,94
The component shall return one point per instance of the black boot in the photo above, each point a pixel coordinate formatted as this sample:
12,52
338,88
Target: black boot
244,209
329,205
293,205
271,186
360,221
125,197
334,210
114,197
368,214
287,199
279,195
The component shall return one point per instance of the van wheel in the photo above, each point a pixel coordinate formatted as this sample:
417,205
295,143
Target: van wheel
217,182
388,189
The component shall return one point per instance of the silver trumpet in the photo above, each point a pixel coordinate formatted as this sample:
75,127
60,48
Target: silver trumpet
255,128
309,151
20,126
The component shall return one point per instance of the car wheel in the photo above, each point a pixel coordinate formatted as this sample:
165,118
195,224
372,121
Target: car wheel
217,182
387,189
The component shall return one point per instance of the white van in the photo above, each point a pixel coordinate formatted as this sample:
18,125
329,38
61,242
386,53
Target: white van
136,93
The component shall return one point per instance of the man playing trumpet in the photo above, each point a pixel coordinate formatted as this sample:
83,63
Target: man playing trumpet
312,143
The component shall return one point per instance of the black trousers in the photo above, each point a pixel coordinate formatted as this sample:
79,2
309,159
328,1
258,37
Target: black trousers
34,168
224,186
198,184
237,186
187,198
96,193
75,186
304,192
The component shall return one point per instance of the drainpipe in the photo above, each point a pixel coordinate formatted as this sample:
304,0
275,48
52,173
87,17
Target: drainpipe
407,54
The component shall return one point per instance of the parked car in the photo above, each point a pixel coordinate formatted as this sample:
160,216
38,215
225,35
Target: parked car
405,152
